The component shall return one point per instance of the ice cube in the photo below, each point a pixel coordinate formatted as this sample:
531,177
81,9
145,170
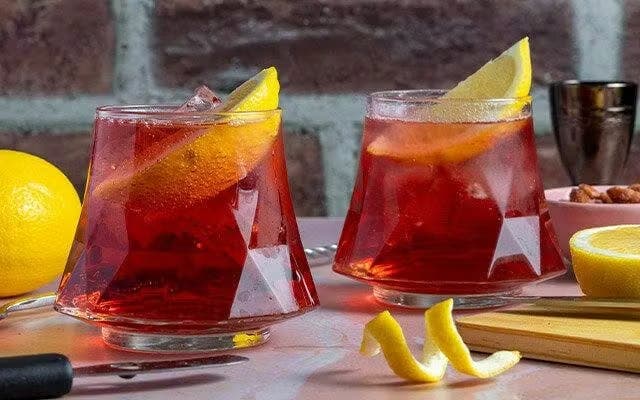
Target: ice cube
204,99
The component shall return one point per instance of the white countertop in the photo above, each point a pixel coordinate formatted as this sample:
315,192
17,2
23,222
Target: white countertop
314,356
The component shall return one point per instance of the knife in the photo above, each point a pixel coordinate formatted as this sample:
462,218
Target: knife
578,304
51,375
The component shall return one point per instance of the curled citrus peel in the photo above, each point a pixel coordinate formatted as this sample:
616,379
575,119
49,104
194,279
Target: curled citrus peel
448,340
442,344
384,333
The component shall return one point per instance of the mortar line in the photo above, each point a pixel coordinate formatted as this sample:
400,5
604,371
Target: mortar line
55,114
133,55
541,110
597,27
337,120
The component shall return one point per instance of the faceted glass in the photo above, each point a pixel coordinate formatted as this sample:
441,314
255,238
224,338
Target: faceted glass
447,202
187,239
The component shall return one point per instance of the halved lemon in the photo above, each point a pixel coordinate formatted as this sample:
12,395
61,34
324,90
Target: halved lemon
606,260
458,126
200,161
442,342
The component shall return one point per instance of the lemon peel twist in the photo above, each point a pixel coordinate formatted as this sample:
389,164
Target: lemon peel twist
448,340
383,333
442,344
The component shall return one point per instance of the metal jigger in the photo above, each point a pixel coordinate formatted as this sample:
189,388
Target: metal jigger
593,124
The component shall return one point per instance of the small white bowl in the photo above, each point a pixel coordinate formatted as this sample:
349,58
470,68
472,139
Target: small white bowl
568,218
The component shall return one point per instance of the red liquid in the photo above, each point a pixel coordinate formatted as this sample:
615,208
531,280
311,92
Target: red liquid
427,212
153,261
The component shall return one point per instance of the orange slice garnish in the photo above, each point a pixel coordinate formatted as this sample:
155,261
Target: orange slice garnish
440,143
202,160
205,162
454,131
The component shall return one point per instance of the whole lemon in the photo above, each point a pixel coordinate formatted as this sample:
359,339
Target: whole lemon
39,211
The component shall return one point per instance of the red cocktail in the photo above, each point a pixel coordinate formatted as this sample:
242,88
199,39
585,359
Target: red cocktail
187,239
444,205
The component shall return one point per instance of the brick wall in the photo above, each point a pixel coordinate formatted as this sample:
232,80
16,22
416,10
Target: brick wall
59,59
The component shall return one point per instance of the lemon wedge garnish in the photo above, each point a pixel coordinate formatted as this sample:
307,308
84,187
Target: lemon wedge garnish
453,131
260,93
442,342
606,260
507,76
193,164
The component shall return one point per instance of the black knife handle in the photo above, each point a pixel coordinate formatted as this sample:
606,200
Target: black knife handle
38,376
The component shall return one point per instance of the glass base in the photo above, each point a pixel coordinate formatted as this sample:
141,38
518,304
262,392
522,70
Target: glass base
460,302
167,343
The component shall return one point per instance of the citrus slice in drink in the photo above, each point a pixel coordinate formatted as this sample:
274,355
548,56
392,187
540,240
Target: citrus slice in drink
203,158
441,143
606,260
507,77
442,342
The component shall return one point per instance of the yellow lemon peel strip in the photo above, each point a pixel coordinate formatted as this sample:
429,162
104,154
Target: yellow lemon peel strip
442,344
448,340
384,333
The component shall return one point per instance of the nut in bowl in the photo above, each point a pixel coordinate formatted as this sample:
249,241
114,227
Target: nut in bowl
575,208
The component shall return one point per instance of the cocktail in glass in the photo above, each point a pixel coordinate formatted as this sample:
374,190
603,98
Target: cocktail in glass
447,202
187,239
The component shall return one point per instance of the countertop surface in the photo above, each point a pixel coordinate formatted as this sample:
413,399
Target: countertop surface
314,356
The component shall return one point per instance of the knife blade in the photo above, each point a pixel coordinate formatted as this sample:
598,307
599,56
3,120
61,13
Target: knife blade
51,375
130,369
578,304
27,303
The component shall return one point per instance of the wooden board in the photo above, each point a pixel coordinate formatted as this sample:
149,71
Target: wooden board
601,341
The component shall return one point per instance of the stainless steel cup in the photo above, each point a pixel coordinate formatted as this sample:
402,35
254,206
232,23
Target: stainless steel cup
593,123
